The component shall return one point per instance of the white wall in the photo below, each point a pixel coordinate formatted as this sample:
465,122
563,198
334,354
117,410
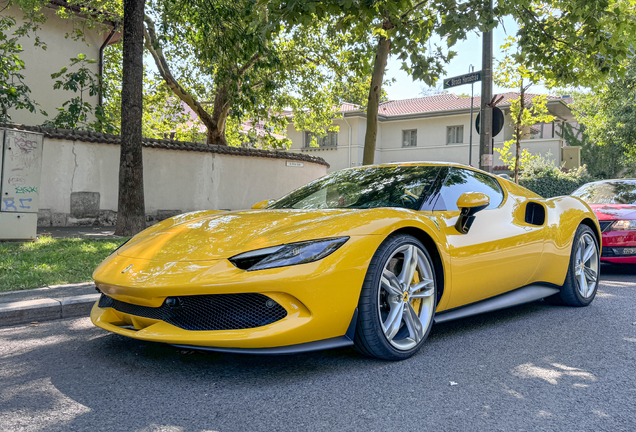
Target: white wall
40,64
173,179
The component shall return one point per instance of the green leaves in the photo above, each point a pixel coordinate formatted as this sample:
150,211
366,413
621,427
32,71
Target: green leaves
14,93
77,113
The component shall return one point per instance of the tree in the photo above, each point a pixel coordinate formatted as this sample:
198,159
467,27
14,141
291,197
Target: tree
512,72
14,93
606,116
247,70
568,41
131,214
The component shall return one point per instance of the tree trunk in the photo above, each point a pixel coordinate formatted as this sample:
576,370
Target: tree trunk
216,130
131,212
375,92
519,129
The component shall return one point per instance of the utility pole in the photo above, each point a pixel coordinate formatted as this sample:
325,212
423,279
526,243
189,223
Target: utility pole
485,136
471,68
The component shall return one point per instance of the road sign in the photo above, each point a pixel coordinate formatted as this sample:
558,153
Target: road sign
497,121
462,79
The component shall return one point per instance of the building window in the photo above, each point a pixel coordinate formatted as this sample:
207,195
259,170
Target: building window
454,134
409,138
328,141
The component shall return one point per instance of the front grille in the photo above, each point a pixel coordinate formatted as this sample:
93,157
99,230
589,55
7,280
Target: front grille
207,312
605,225
607,252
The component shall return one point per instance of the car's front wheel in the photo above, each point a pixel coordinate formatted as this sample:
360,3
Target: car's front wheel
397,301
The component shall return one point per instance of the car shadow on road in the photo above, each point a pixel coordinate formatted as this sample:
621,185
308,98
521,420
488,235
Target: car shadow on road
617,270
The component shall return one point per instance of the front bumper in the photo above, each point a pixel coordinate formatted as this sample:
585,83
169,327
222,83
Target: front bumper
619,247
320,298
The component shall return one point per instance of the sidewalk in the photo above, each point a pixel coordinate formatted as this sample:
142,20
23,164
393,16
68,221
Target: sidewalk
48,303
53,302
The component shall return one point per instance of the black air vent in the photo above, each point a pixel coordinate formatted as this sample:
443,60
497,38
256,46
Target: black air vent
535,214
207,312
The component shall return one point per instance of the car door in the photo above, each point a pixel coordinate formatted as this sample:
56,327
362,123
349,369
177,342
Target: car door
500,252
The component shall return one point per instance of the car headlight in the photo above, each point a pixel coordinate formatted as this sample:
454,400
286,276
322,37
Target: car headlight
623,225
287,255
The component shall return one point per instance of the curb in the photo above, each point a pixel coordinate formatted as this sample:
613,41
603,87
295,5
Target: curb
23,312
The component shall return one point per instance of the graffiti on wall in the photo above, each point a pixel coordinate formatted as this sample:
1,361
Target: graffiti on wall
21,172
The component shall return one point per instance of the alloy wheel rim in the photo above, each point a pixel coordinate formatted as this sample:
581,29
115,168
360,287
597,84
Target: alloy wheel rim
586,265
406,298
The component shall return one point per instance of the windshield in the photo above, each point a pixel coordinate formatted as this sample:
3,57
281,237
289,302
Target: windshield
392,186
614,192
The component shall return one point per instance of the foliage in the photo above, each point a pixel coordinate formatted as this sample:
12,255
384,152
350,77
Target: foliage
542,176
606,161
14,93
250,75
357,93
524,117
164,116
77,112
607,116
51,261
514,72
574,42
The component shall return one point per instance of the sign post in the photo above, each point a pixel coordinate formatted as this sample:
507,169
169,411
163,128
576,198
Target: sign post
470,78
485,136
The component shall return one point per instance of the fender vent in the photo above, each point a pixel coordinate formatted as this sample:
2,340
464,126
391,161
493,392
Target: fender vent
207,312
535,214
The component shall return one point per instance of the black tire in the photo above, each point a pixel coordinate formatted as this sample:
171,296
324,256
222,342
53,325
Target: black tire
570,293
370,338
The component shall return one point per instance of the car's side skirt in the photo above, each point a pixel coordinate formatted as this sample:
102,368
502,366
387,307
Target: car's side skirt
517,297
325,344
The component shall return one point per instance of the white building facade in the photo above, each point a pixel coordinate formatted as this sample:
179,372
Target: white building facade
434,128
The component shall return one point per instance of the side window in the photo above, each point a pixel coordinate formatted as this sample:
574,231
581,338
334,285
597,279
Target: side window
461,180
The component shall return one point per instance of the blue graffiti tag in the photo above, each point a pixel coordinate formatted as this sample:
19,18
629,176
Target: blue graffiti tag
23,200
9,203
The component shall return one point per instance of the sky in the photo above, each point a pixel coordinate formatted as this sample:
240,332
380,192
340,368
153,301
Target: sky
468,52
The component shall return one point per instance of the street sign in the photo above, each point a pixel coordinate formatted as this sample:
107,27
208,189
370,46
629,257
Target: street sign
497,121
462,79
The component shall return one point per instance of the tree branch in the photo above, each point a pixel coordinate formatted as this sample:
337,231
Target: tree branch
153,46
414,8
541,26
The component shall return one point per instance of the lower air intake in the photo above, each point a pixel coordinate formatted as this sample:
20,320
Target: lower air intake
207,312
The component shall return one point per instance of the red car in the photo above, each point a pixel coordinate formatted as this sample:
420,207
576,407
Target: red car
614,202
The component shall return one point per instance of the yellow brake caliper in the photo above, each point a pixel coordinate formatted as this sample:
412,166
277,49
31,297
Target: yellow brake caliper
416,302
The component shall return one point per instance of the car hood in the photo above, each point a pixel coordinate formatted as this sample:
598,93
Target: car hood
614,211
223,235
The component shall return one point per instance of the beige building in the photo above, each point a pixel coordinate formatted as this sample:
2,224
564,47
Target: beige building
40,63
433,128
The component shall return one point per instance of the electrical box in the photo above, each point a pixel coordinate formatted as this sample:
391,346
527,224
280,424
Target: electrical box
20,172
571,157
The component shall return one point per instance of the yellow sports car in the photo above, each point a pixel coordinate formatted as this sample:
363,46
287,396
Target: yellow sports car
368,256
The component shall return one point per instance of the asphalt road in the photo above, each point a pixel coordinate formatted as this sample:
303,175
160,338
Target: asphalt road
530,368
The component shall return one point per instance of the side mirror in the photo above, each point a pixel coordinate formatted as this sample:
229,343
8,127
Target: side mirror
262,204
470,203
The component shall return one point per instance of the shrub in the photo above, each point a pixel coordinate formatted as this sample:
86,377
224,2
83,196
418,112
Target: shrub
543,176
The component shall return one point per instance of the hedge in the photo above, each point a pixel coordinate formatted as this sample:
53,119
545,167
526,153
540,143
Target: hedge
542,176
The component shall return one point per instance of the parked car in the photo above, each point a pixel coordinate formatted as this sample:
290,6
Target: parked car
369,256
614,202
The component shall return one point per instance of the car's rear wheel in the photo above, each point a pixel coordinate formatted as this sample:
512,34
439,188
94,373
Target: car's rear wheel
581,280
397,301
